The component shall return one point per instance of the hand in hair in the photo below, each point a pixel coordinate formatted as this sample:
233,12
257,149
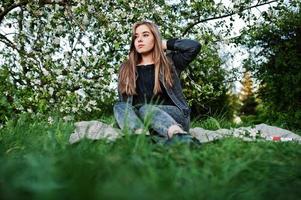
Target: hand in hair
164,44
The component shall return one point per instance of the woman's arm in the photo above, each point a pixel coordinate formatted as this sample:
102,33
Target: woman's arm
183,51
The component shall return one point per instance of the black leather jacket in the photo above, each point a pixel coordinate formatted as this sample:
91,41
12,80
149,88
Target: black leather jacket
181,52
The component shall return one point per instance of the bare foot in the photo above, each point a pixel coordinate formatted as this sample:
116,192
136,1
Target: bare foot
173,129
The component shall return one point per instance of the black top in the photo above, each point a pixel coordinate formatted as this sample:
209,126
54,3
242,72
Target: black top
145,85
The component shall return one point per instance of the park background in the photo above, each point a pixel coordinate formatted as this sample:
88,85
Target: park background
59,61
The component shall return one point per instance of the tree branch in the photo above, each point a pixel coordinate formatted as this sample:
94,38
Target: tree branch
41,2
223,16
6,41
11,7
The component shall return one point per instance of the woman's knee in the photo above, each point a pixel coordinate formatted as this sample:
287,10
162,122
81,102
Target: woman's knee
143,108
147,109
119,106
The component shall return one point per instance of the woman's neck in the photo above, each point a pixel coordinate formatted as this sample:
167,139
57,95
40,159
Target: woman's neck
146,59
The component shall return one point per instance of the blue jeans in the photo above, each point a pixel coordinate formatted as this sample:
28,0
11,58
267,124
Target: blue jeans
157,117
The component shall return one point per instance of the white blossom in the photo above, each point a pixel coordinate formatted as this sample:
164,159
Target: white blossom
58,71
97,85
66,12
72,63
90,75
86,20
237,119
59,28
67,118
60,78
38,12
85,59
124,36
75,77
56,41
45,72
113,25
69,82
111,70
88,109
28,75
92,102
50,120
47,57
80,92
132,5
37,81
82,69
74,109
90,8
51,90
130,16
20,107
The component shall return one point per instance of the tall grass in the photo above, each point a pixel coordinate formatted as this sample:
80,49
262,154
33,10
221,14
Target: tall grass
36,162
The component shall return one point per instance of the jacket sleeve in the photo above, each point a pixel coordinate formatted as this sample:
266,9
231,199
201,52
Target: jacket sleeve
183,51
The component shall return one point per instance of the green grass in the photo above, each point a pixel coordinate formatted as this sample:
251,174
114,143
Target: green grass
36,162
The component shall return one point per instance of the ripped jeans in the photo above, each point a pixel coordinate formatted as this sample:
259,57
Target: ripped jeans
157,117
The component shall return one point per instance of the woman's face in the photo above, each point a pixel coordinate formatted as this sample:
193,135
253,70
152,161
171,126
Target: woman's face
144,39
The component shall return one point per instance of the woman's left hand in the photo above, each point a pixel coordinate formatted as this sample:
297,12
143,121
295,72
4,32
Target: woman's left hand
164,45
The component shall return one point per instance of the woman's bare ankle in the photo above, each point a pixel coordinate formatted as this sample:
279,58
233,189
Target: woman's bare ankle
173,129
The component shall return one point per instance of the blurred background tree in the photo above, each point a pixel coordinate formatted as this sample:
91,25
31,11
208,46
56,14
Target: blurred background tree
275,62
247,96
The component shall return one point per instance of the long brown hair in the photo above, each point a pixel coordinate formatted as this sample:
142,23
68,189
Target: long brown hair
127,74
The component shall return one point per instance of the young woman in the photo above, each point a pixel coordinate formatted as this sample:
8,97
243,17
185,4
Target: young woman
149,86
